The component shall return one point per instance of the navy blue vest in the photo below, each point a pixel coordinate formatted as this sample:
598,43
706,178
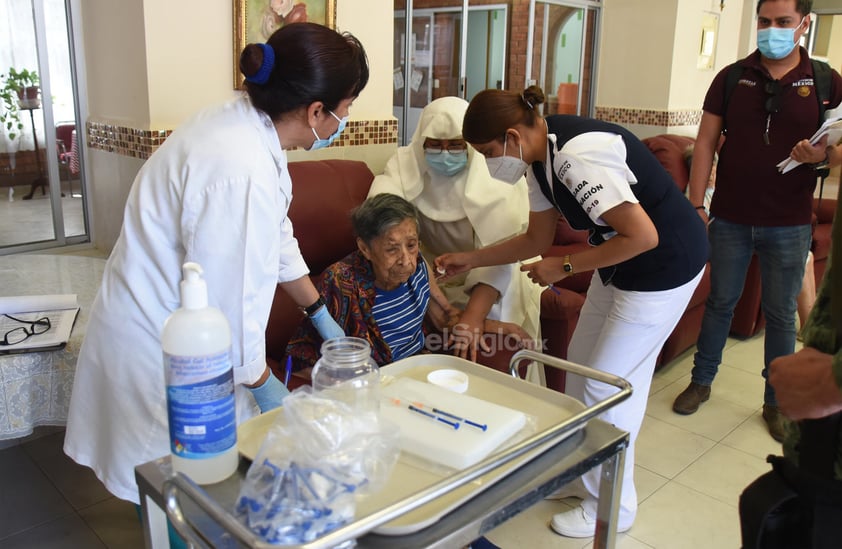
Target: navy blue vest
682,248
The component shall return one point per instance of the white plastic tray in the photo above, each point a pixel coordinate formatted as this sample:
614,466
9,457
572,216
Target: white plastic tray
543,406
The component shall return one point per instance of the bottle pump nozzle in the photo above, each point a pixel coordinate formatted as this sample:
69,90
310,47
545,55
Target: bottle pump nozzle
194,290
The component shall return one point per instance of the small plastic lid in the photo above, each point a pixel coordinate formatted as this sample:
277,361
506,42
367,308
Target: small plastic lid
452,380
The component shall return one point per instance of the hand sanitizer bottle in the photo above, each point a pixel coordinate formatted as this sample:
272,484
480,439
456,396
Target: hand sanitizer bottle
196,341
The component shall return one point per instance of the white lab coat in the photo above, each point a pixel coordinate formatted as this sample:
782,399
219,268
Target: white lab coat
217,193
485,209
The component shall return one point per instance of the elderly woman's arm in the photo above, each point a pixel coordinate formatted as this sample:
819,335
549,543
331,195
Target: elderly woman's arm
440,311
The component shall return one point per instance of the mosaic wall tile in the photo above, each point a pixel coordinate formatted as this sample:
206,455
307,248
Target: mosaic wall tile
649,117
137,143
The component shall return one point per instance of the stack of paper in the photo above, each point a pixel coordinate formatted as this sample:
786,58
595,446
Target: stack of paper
832,128
61,309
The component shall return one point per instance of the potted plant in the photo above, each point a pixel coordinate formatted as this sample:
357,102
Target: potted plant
19,90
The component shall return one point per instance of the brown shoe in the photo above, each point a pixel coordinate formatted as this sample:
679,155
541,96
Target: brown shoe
775,420
691,398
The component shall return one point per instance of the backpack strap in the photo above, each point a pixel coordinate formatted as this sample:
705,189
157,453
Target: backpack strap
822,83
735,71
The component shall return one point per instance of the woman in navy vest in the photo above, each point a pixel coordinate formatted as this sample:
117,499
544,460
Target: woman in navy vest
649,250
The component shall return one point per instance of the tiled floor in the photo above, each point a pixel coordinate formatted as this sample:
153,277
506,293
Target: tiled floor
24,221
690,471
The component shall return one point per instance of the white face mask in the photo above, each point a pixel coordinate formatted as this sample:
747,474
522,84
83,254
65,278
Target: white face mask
507,168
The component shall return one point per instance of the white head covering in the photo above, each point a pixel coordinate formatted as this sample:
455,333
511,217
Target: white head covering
495,209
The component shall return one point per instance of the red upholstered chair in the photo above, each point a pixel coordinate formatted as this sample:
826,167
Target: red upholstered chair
324,193
64,149
822,224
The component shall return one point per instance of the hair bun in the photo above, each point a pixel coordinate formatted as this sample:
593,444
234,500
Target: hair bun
533,96
256,63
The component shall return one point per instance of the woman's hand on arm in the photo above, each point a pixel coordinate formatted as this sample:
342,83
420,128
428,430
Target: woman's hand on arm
440,311
538,237
467,334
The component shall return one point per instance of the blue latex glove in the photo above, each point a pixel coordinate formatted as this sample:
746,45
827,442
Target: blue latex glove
324,323
270,395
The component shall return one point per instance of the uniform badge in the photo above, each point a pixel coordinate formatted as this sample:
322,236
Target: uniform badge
804,91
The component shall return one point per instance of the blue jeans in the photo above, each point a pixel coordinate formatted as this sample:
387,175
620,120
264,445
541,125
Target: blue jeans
782,252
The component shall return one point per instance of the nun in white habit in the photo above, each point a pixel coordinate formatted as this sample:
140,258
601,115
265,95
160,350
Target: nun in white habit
463,208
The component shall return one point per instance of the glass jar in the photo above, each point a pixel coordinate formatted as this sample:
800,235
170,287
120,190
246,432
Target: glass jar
347,372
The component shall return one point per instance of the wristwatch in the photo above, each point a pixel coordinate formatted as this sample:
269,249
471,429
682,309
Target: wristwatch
568,267
311,309
823,164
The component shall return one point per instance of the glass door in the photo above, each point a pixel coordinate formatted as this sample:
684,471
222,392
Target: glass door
449,54
561,57
41,162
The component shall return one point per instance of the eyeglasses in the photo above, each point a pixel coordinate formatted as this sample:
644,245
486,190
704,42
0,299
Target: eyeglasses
772,105
16,335
455,149
773,102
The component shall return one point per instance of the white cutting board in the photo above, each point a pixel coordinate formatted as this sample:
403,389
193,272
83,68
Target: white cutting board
440,442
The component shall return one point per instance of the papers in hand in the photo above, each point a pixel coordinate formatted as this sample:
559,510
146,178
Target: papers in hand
832,128
61,309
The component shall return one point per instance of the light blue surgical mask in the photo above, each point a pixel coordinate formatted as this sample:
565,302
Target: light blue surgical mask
320,143
447,163
775,42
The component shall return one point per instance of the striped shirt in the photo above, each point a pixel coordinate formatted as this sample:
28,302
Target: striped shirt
399,313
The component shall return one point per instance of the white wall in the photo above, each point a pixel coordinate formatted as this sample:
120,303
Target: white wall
689,83
648,57
153,63
115,58
189,58
635,55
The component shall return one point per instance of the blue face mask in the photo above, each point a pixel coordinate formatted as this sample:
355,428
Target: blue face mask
777,43
320,143
447,163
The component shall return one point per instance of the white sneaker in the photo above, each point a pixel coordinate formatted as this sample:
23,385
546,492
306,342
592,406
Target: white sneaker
573,489
577,524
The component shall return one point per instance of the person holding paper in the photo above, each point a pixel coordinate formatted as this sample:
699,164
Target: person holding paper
823,154
756,209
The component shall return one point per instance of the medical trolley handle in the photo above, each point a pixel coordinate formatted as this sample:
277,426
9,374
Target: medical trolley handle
180,485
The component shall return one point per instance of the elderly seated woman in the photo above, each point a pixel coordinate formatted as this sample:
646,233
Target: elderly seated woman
384,291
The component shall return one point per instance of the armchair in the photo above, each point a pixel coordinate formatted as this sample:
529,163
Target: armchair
66,152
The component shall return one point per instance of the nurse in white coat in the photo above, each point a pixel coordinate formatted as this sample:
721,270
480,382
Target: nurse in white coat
463,208
217,193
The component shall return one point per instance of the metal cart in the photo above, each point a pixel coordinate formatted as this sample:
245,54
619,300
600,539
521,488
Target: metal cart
516,478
